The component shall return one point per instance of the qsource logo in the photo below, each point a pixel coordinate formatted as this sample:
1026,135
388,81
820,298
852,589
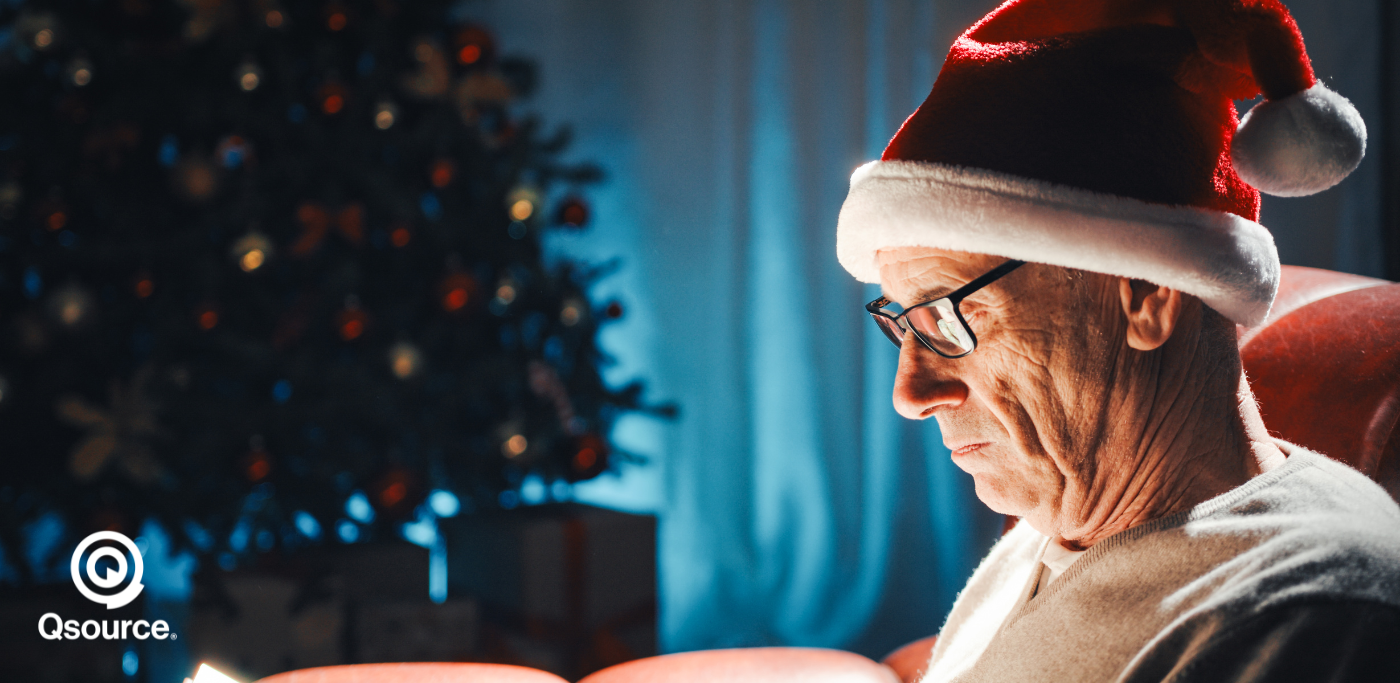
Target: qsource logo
112,578
115,587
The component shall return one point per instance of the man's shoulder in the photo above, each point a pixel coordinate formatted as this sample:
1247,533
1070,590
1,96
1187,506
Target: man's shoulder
1321,530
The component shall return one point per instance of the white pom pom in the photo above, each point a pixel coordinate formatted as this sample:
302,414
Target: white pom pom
1299,145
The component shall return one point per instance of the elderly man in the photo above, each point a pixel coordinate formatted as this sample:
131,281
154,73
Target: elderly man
1065,235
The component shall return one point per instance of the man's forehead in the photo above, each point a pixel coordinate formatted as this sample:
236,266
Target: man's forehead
919,273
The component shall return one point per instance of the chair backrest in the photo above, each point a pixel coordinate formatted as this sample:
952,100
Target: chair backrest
1325,368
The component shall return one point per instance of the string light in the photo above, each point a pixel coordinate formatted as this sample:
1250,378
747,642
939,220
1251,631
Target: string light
248,76
385,113
514,446
80,72
145,286
400,236
43,39
207,317
251,251
405,360
441,173
505,293
571,314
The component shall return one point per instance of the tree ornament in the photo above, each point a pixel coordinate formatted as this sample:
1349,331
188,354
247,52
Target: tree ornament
385,113
38,30
440,174
590,456
351,321
474,45
456,291
614,310
405,360
400,235
251,251
433,77
573,212
396,492
79,72
233,151
274,17
71,306
522,203
206,316
573,311
257,464
195,178
143,285
332,97
119,433
336,17
248,76
11,193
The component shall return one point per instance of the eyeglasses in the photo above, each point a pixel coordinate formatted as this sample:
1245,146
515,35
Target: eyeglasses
938,324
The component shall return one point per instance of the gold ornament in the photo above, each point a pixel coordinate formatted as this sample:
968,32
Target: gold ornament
251,251
117,434
405,360
71,306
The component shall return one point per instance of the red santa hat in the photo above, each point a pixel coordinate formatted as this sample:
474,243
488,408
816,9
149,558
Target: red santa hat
1102,135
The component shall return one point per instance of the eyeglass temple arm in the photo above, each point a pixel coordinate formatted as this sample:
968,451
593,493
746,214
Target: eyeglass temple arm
986,279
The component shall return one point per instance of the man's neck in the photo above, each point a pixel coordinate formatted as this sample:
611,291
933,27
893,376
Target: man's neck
1198,443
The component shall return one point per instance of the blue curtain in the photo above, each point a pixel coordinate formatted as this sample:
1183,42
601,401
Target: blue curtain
796,507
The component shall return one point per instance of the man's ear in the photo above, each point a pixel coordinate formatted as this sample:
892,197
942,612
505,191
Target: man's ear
1152,312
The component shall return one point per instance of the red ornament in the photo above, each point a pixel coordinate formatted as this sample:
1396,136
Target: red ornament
441,173
396,492
573,213
257,464
206,316
590,456
614,310
474,45
457,290
333,97
351,322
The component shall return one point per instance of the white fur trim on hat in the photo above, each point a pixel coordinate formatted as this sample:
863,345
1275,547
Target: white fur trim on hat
1299,145
1227,261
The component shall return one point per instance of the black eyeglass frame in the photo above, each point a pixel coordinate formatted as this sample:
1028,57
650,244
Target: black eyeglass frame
876,309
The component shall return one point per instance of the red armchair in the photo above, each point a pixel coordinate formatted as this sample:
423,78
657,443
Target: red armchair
1325,367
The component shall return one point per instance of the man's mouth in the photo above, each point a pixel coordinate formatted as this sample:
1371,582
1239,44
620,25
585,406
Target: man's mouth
968,449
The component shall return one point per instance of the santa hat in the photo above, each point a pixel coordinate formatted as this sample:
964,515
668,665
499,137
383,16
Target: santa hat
1102,135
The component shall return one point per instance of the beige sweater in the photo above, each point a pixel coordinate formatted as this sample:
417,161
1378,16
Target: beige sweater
1293,576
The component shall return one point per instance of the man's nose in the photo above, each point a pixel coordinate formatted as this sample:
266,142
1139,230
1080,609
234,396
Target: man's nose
923,382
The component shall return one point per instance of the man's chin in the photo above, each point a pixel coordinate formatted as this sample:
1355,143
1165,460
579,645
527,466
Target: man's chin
994,493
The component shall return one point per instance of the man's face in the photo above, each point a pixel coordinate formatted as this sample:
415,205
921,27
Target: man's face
1027,413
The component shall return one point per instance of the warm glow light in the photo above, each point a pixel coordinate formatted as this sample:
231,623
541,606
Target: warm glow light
570,316
505,293
208,674
70,312
514,446
207,319
57,220
469,54
404,360
252,260
521,209
145,287
336,21
384,119
274,19
333,104
82,77
43,38
249,80
423,52
259,468
400,237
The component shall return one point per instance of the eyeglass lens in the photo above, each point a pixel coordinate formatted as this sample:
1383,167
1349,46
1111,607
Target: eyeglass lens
936,325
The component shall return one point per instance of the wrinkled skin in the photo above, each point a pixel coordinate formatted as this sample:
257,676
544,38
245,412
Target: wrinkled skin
1091,404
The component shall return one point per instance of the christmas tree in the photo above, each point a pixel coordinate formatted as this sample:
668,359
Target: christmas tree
272,273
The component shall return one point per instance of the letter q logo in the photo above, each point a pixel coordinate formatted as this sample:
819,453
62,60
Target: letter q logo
83,573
